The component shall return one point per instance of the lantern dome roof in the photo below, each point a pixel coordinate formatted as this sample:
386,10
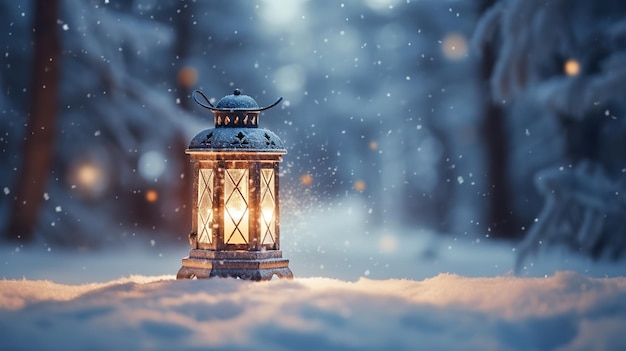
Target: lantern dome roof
237,101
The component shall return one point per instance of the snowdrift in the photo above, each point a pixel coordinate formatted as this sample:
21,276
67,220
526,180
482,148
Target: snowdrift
566,311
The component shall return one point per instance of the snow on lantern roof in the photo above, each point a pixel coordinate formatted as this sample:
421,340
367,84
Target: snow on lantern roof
236,101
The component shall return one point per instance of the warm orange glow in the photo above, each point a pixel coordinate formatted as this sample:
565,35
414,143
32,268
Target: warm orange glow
152,195
359,186
267,214
88,175
454,46
187,76
373,145
571,67
306,179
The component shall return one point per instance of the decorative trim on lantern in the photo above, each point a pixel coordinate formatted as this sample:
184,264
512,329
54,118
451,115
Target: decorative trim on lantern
242,139
236,119
228,155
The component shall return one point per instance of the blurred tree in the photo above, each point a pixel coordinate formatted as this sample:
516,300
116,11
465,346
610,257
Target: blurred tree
561,66
499,209
37,153
111,164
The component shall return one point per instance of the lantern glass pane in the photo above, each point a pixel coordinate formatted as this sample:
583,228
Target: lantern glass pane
236,206
205,205
268,207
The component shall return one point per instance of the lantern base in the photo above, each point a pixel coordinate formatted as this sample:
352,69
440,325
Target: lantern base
249,265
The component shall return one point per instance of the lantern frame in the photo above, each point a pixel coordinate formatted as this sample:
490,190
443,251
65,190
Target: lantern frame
235,212
220,164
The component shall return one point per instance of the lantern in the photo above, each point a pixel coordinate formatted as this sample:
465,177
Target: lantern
235,214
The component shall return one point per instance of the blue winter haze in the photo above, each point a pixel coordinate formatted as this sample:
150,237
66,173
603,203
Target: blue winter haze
479,121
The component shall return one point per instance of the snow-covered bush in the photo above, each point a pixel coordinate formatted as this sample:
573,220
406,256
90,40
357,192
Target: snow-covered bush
561,66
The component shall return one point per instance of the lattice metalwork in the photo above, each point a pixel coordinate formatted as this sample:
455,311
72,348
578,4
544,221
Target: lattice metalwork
236,206
268,207
205,205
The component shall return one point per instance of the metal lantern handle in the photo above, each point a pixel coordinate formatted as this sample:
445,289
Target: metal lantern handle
210,106
272,105
195,98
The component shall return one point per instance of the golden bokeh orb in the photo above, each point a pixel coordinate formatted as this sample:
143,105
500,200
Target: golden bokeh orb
187,76
88,175
306,179
454,46
152,195
359,186
571,67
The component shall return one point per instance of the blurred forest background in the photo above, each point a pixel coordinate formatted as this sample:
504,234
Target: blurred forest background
498,119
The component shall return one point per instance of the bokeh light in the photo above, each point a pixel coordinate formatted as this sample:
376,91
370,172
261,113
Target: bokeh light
381,5
151,165
306,179
89,178
87,175
281,13
454,46
571,67
152,195
290,78
187,76
359,186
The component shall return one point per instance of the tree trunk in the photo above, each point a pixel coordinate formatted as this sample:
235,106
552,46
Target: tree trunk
500,217
38,141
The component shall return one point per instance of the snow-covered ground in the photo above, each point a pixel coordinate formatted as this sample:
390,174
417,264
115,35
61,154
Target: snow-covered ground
567,311
356,288
333,241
